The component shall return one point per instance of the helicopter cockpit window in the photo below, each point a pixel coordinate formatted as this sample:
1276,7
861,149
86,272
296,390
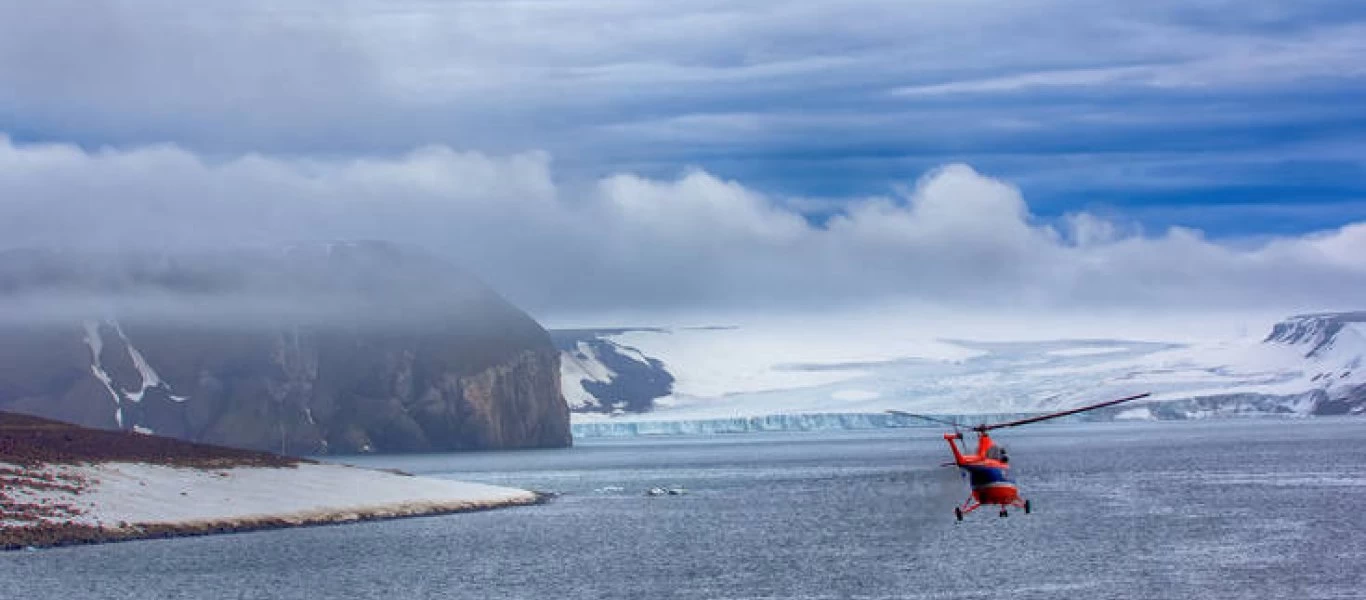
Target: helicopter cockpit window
997,453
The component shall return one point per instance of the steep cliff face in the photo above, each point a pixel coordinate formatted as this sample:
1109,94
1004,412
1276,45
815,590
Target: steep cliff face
332,348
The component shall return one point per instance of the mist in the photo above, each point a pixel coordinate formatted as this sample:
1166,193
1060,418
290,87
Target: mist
355,286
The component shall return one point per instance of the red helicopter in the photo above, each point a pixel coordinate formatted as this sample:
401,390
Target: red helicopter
988,469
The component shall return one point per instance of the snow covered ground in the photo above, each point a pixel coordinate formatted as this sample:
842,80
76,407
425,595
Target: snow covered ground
132,496
739,373
711,363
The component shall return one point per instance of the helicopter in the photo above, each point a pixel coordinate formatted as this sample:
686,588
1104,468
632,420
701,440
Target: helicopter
988,469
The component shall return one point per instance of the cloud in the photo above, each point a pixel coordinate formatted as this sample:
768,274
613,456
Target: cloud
715,155
1333,52
953,237
601,84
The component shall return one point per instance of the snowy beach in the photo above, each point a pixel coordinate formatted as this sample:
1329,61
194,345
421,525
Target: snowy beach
65,484
58,504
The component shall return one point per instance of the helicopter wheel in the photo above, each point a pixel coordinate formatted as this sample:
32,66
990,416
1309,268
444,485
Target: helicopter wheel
958,513
1026,507
1004,514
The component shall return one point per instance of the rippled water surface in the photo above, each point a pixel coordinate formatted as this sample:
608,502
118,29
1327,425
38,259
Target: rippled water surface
1222,509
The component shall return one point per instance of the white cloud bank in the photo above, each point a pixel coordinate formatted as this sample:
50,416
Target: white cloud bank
954,238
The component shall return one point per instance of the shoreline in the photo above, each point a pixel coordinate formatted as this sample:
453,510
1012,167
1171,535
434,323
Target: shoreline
56,535
48,505
63,485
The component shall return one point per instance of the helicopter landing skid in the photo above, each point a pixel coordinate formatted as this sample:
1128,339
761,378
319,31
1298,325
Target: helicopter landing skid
972,504
966,508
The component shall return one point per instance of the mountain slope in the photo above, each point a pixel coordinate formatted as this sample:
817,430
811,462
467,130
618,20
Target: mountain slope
600,375
1334,345
337,348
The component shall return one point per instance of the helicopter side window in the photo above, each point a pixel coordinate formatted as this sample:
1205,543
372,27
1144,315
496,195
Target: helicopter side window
998,453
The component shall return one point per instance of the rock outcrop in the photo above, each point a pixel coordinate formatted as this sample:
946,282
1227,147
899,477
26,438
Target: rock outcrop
333,348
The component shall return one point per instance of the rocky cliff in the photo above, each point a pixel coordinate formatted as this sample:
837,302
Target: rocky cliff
329,348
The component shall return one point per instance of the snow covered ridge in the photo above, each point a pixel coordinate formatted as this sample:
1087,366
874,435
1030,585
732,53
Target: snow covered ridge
55,504
1316,332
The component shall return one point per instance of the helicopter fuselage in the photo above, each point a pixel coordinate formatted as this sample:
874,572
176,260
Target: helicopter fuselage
991,482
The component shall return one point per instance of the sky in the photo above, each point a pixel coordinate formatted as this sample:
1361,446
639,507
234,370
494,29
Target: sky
615,156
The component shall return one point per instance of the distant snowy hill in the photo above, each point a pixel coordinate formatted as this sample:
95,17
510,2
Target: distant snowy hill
1334,348
736,378
603,376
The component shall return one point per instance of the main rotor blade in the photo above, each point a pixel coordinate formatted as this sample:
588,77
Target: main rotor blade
926,417
1055,415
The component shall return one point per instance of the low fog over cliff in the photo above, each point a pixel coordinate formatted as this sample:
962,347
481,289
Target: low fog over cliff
304,349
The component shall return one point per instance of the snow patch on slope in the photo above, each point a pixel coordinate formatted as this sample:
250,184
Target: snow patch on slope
598,374
577,366
1341,359
148,378
95,342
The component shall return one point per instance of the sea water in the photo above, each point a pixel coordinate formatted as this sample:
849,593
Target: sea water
1213,509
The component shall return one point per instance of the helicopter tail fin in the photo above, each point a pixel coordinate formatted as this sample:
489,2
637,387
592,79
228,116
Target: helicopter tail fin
952,439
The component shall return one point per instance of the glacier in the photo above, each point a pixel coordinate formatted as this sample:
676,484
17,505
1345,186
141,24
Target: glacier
735,380
769,423
1230,405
